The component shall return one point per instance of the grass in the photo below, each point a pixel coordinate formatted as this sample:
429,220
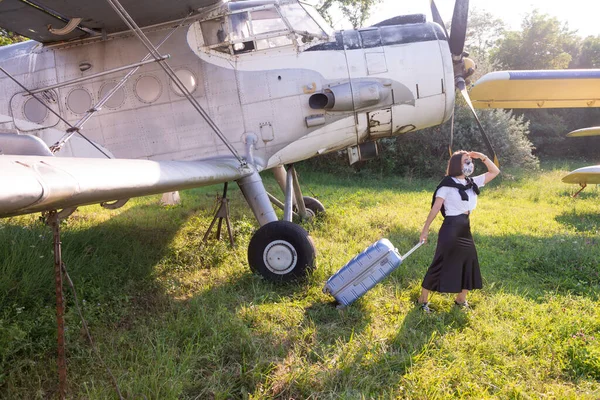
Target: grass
176,319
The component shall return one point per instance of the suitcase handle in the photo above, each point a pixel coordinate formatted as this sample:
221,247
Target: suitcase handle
413,250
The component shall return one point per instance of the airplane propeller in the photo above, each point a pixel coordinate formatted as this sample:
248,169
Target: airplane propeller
464,67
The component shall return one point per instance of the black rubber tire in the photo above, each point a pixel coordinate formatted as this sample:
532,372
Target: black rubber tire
314,205
294,239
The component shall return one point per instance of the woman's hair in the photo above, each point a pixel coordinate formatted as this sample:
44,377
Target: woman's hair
455,163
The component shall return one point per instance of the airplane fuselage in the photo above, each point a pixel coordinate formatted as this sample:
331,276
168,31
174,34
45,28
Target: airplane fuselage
383,81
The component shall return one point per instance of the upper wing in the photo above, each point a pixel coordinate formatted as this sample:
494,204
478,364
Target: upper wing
538,89
593,131
584,176
41,183
31,18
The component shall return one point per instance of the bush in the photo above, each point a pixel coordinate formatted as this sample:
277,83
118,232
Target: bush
425,153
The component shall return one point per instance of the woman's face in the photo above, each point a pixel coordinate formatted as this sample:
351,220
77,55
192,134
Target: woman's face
467,165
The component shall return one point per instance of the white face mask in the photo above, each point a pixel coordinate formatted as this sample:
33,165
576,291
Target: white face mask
468,168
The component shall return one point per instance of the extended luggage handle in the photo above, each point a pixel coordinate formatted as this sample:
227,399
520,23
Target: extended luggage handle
413,250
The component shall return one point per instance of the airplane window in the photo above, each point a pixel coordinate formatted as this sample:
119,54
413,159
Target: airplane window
240,25
266,21
79,101
187,78
300,20
273,42
318,19
214,31
35,111
117,99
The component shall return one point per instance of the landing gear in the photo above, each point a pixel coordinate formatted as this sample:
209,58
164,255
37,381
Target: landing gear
314,207
281,251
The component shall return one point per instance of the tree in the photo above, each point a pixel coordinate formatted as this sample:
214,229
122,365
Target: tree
356,11
589,55
483,33
7,37
544,43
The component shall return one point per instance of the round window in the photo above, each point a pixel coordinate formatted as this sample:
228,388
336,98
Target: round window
79,101
189,81
35,111
117,99
148,89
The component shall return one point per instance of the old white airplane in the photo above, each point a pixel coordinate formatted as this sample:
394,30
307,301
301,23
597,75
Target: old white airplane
246,86
545,89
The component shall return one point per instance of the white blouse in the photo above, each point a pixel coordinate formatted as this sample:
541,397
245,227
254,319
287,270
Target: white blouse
453,204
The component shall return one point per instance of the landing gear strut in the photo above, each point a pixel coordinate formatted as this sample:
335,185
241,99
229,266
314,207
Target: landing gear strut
279,251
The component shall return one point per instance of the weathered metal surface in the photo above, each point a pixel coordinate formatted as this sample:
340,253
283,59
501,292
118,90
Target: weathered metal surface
31,184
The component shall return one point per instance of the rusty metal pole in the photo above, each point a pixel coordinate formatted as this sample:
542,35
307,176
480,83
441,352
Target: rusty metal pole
54,222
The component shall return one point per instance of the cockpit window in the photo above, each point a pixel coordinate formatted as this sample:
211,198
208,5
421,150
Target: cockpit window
300,20
263,25
265,21
214,31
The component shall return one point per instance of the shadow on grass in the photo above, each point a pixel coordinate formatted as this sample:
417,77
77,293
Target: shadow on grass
582,222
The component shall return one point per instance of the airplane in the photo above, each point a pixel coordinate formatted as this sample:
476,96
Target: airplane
545,89
246,86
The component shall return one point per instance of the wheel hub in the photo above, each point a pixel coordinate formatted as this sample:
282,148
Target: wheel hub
280,257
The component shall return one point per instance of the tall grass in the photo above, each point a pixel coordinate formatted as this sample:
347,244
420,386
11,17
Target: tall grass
175,318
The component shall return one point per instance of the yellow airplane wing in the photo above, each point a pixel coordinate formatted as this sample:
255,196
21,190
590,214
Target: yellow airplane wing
538,89
593,131
584,176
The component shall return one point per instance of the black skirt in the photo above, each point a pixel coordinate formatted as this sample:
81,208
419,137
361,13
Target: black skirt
455,266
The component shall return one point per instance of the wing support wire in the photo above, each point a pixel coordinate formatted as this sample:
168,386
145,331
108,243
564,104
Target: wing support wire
122,13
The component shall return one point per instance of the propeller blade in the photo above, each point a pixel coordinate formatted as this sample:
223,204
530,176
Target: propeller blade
437,18
458,30
463,90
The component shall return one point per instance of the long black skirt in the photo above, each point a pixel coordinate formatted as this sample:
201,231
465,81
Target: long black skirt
455,266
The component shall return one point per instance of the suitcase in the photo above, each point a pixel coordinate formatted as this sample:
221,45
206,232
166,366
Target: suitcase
364,271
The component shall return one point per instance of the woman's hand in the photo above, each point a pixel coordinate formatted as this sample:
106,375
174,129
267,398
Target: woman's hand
424,234
477,155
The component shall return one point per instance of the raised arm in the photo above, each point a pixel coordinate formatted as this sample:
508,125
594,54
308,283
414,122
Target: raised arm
493,171
437,205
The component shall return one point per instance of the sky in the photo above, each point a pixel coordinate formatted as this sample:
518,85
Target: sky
581,15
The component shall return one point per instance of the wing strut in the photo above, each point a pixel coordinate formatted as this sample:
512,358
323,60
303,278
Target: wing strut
171,74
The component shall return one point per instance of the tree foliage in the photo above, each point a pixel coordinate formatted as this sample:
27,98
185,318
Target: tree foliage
355,11
7,37
543,43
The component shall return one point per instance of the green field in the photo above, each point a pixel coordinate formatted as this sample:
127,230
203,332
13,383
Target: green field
176,319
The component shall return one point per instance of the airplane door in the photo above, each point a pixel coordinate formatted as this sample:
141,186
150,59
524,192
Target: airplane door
366,59
30,115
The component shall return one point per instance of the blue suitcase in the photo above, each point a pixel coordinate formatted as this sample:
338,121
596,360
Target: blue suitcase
364,271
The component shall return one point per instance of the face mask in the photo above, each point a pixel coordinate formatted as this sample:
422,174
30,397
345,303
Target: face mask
468,168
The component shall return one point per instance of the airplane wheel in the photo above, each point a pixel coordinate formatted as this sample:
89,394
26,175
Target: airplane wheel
313,207
281,251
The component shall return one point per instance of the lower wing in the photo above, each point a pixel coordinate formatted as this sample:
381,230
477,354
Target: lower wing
593,131
538,89
43,183
584,176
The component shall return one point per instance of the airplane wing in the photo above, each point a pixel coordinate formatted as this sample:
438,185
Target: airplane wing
584,176
43,183
593,131
32,18
538,89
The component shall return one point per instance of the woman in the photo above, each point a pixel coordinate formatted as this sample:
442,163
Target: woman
455,268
